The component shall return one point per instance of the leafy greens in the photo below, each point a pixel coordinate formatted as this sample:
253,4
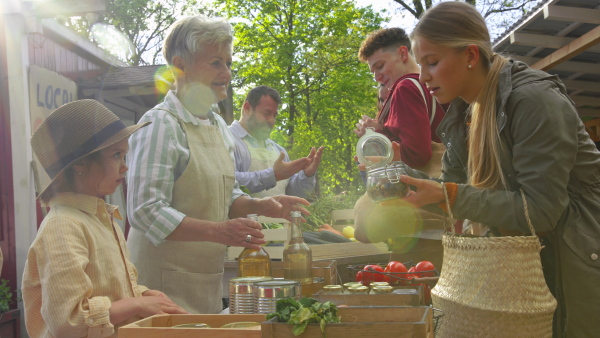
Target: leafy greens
303,312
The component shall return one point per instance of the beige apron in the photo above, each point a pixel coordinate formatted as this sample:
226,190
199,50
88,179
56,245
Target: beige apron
191,273
261,159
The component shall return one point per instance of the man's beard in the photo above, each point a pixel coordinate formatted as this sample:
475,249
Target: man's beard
260,130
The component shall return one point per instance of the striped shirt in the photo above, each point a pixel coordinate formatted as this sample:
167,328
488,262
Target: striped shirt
76,267
158,156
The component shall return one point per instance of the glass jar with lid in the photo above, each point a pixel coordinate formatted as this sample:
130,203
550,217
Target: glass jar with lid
375,151
358,290
333,290
382,289
351,284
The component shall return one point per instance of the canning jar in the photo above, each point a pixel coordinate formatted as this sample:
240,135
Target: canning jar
383,181
358,290
332,290
383,289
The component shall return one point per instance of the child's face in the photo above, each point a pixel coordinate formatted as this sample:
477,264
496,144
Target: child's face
102,178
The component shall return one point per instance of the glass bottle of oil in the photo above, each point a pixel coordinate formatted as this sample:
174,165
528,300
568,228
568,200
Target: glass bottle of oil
254,263
297,256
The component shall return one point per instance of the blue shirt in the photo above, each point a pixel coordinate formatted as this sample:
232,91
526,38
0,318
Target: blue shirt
299,184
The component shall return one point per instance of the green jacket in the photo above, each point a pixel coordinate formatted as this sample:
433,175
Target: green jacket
548,153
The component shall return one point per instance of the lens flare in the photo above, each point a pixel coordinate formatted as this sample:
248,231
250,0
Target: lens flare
164,79
114,41
385,220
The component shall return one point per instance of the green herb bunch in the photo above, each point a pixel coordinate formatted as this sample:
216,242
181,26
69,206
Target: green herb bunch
320,208
303,312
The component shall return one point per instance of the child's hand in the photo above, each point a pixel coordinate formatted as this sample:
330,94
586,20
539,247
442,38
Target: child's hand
155,302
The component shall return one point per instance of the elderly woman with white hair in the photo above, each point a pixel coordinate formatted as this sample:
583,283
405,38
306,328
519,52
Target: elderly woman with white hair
183,202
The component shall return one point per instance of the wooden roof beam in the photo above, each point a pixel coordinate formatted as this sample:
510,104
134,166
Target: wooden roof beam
588,112
586,86
586,101
577,46
544,41
572,14
567,66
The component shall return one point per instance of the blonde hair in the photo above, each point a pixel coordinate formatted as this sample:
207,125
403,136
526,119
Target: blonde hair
458,25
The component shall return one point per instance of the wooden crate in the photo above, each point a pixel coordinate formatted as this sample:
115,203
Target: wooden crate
364,322
160,326
343,250
415,299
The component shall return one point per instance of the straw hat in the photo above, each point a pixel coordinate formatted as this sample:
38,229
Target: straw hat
75,130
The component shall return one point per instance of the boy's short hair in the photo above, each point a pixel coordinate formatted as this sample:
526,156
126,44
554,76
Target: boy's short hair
383,38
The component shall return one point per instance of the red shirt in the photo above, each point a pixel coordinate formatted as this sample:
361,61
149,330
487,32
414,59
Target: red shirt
408,121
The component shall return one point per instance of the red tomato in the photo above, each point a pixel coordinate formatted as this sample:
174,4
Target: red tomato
425,266
411,274
369,277
359,276
395,269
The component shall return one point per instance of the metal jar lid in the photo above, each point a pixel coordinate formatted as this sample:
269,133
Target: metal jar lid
241,285
383,289
358,289
277,289
332,288
351,284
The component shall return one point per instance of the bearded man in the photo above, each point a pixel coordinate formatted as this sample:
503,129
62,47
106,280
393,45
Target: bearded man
263,166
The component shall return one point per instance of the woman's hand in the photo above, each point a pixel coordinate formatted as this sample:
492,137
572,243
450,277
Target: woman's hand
234,232
428,192
280,206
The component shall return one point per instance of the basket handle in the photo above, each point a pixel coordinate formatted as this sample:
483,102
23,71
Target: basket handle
451,216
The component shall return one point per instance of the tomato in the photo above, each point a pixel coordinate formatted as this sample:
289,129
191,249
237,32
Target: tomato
395,269
369,277
411,274
425,266
359,276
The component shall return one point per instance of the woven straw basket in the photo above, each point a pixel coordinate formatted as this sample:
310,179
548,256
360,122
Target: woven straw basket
493,287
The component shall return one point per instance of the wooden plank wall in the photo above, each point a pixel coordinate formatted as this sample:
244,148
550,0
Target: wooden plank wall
61,58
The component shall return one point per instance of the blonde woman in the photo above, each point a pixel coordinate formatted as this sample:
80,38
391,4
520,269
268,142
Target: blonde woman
511,127
184,203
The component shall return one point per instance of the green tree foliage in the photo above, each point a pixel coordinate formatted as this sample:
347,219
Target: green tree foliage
141,22
307,51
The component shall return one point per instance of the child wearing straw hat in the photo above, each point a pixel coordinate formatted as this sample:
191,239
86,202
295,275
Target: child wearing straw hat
78,280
